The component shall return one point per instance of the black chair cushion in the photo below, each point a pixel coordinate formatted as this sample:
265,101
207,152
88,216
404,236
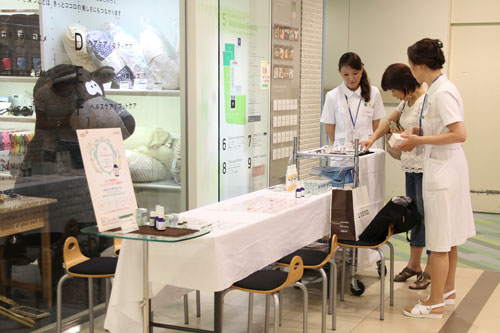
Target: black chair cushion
310,257
96,266
359,243
263,280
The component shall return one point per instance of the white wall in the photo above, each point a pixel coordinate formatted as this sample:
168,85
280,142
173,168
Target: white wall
475,31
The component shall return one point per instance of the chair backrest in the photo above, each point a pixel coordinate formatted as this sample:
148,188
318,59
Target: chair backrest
333,249
117,243
296,269
72,254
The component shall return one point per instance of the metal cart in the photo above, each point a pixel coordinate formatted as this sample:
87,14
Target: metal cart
357,286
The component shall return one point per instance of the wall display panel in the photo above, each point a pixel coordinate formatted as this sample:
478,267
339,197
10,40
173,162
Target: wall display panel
142,93
285,88
244,72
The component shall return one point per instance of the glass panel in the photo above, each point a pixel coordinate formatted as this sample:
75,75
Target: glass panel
113,63
143,237
244,72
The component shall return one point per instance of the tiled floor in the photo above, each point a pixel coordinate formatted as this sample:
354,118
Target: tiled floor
478,301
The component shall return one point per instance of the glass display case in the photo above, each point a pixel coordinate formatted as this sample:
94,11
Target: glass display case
73,64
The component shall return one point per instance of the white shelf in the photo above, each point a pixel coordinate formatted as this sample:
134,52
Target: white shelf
127,92
166,185
142,92
18,119
27,79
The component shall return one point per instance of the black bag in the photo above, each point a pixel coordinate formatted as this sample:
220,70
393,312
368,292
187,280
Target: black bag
400,212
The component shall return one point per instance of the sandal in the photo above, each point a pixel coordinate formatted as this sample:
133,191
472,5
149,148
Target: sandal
423,281
424,311
446,297
405,274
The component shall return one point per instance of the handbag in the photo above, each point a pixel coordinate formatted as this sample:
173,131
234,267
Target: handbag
400,212
394,126
393,152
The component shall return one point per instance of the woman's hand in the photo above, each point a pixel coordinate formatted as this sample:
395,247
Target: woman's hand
366,144
411,141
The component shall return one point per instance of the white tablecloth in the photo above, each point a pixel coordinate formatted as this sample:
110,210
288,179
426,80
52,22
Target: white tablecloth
249,233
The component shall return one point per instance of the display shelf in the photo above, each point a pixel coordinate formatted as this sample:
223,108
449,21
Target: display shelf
142,92
159,185
18,119
128,92
28,79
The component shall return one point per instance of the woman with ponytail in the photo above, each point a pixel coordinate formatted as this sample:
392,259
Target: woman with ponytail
353,109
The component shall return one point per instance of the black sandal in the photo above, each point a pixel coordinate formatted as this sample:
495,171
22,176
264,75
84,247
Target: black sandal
405,274
423,281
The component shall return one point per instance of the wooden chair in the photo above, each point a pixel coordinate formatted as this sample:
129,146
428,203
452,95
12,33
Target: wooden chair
270,283
377,247
78,265
316,260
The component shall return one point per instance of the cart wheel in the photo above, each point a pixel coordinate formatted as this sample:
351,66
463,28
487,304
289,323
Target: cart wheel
357,287
378,269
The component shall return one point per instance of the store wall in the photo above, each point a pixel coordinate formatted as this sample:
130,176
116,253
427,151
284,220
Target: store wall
474,68
202,102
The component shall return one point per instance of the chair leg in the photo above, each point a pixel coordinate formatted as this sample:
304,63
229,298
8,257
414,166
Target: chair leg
306,304
186,309
59,302
333,293
276,311
324,281
382,283
198,304
108,290
281,308
391,273
266,316
342,276
91,304
250,312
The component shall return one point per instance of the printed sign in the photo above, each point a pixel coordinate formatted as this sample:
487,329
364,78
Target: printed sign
109,180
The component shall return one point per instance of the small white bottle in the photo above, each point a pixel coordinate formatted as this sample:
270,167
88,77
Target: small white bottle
161,224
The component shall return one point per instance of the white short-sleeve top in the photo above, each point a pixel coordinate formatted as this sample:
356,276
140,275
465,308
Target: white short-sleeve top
341,108
444,97
411,161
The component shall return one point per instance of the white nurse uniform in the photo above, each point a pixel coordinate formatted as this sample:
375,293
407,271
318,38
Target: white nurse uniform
350,114
446,193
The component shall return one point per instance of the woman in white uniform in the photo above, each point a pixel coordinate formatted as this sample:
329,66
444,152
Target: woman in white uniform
448,212
353,109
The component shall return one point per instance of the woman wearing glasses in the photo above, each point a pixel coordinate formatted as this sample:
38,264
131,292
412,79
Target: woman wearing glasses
354,108
398,79
447,205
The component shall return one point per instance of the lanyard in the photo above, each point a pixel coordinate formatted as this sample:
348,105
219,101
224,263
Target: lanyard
353,120
420,132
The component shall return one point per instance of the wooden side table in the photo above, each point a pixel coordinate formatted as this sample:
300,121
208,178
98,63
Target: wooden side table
23,214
